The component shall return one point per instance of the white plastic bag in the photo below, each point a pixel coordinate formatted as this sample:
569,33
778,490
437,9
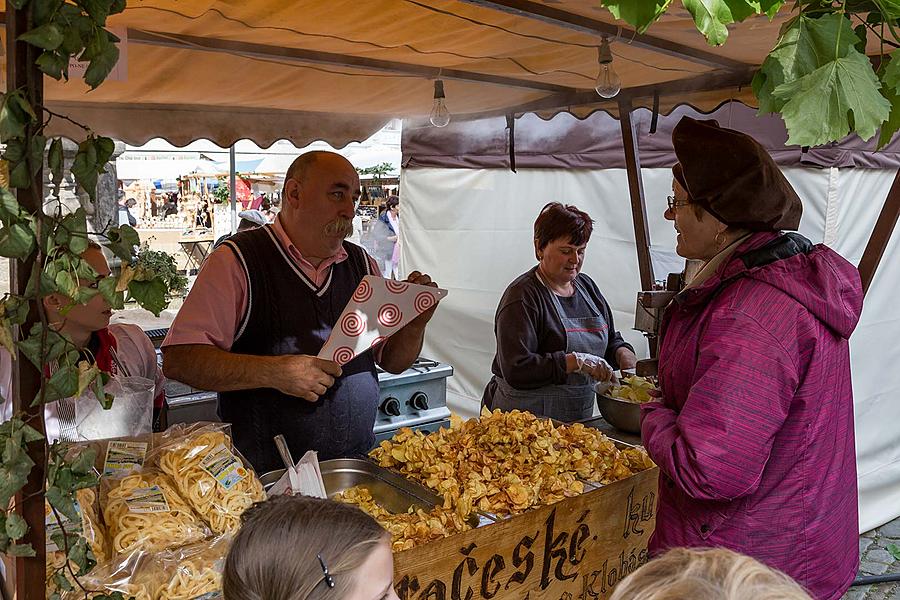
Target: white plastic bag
131,413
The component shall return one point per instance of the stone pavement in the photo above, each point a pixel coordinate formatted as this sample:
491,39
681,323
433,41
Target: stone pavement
876,560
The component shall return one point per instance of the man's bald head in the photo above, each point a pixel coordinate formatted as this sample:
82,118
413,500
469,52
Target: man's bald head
301,166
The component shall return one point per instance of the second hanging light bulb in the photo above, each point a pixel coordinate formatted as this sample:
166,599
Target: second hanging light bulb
608,83
440,115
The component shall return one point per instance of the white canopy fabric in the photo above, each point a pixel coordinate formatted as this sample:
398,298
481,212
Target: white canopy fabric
472,229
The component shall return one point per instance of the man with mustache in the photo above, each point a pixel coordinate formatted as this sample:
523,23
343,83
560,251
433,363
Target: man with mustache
263,305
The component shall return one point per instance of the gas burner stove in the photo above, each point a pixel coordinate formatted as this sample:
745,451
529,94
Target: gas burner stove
415,398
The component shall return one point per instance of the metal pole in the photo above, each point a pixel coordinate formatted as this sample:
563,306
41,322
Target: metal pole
881,235
232,188
22,72
636,189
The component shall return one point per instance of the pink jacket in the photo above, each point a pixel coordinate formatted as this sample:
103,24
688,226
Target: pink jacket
754,435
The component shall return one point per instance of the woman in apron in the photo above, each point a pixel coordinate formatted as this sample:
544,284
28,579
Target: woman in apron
554,330
122,350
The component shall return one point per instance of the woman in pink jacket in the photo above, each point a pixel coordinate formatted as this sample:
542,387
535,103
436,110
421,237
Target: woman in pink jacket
754,432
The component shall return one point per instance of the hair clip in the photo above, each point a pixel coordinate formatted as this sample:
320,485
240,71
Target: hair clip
329,580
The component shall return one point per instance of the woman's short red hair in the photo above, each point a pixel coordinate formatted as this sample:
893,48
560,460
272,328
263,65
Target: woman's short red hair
557,221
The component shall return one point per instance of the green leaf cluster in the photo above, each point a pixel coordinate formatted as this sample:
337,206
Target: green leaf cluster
64,30
24,147
711,17
15,465
90,161
69,471
154,276
819,81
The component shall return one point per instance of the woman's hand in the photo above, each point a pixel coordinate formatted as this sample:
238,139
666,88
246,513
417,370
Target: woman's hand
588,364
626,358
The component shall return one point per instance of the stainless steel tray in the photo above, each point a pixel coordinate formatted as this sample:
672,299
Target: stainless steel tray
395,493
389,489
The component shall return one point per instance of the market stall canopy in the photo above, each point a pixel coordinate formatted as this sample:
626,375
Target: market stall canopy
595,142
337,70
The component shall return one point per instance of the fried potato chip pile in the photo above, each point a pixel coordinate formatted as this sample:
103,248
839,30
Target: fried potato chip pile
507,462
409,529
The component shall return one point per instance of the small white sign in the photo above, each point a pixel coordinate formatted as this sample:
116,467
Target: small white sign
119,72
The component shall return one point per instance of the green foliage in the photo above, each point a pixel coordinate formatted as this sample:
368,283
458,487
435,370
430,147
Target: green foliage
821,84
61,30
152,276
640,14
894,549
712,16
817,77
90,161
377,170
890,87
48,36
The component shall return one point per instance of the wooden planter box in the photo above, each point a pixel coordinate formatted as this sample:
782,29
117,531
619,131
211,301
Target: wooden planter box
575,549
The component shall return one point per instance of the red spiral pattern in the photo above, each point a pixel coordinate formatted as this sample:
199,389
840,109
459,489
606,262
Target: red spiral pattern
363,292
353,324
389,315
397,287
343,355
424,301
377,341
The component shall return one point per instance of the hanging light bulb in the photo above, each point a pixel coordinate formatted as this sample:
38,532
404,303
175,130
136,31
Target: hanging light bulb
440,116
608,82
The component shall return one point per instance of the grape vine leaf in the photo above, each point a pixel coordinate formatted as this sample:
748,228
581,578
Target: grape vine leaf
638,13
15,526
48,36
890,86
150,294
836,98
713,16
803,47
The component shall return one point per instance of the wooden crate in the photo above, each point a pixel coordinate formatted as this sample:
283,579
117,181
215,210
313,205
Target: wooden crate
577,549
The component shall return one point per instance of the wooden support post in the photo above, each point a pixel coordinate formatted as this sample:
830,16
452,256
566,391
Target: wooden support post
881,235
636,190
638,206
22,72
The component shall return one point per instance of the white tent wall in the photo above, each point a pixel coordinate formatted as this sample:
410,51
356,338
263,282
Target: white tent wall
471,229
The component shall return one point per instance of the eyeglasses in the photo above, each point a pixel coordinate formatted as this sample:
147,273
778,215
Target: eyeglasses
670,200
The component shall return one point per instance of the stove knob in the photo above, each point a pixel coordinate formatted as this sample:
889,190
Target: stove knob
391,407
419,401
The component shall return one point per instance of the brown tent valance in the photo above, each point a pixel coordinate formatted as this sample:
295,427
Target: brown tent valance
595,142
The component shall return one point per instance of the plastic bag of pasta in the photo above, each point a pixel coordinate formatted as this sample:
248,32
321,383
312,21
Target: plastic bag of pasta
117,457
143,511
84,535
190,572
217,482
128,575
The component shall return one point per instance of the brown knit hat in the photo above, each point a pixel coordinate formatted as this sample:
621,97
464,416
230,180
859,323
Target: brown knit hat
733,177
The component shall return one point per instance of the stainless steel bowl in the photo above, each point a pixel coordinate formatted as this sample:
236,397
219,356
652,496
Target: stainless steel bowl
621,414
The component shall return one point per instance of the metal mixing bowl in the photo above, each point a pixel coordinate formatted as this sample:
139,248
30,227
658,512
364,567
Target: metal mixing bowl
621,414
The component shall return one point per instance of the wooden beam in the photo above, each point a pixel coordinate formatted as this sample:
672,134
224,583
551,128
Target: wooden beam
881,235
700,83
583,24
22,72
300,55
636,191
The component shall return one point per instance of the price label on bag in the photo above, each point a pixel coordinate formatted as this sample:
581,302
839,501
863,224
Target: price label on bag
147,500
223,466
123,457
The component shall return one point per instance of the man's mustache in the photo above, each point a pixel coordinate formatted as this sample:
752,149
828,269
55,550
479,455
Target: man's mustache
340,227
